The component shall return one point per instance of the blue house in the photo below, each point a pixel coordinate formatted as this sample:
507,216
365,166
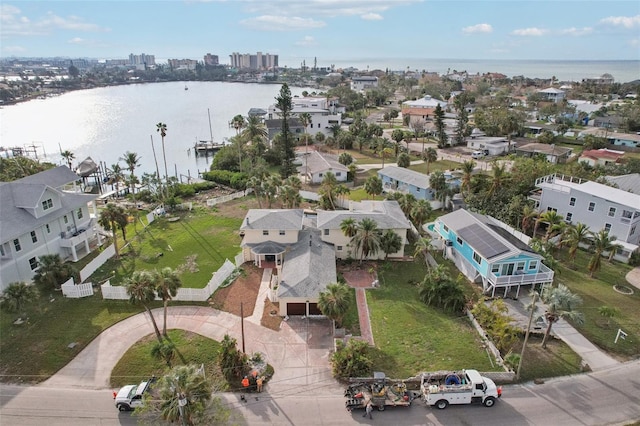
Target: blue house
489,252
399,179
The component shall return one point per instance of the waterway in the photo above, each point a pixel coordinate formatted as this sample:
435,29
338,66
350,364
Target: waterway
106,122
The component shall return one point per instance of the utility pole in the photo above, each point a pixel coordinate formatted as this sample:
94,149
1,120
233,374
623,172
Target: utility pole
526,335
242,327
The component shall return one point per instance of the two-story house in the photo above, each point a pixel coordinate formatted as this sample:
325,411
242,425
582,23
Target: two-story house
316,165
46,213
406,181
489,252
552,94
594,204
325,113
365,82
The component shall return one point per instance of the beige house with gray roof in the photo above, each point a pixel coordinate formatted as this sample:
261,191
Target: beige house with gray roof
316,165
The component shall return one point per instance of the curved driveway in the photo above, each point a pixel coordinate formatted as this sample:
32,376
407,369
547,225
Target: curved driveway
298,352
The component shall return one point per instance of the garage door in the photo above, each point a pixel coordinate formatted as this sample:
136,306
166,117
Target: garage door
313,309
296,309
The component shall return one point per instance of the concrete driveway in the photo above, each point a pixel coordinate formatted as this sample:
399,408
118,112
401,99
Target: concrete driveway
299,351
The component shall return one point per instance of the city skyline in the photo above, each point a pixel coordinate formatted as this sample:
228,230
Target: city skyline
325,29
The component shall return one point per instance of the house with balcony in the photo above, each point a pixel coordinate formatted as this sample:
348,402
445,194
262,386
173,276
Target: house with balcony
325,113
552,94
595,205
45,213
365,82
491,253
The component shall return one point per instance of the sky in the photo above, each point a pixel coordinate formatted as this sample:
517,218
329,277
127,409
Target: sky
328,30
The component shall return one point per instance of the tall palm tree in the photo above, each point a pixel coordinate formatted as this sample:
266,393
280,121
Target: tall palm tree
184,396
420,212
132,160
467,173
438,183
529,216
366,241
373,186
423,247
116,175
390,242
349,227
68,156
111,218
255,183
601,242
499,177
141,288
560,303
254,130
167,283
553,221
334,302
407,201
327,191
429,156
575,236
162,129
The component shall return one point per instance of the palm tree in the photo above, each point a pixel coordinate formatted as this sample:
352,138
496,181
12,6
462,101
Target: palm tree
52,271
327,191
162,129
366,241
167,283
165,350
601,243
373,186
141,288
430,156
397,135
575,236
255,183
439,290
335,301
116,175
254,130
423,247
132,160
499,177
420,212
69,156
18,294
390,242
553,220
560,303
184,395
467,173
529,215
438,183
349,227
113,217
406,202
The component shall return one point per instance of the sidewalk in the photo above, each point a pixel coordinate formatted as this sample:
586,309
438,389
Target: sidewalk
633,277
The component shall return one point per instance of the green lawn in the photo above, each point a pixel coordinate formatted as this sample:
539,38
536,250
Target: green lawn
137,363
557,360
411,337
360,194
197,245
597,292
440,165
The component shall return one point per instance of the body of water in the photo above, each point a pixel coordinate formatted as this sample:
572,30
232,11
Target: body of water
106,122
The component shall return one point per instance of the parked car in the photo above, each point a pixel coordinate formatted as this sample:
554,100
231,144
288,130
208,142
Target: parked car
130,396
476,155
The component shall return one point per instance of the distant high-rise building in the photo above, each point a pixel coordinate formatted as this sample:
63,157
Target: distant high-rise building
259,61
210,59
142,59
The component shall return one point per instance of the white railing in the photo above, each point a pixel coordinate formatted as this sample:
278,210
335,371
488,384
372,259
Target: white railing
100,260
213,201
76,291
546,276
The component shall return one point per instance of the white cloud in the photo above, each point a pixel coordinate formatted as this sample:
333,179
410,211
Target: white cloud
15,23
626,22
307,41
372,17
526,32
281,23
576,31
13,49
76,40
478,28
326,8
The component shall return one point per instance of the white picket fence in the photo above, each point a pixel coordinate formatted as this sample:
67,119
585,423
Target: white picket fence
239,259
184,294
75,291
92,266
213,201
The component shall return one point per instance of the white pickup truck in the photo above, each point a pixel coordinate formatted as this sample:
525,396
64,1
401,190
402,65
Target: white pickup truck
468,386
130,396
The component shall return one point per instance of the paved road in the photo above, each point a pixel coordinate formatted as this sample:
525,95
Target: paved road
605,397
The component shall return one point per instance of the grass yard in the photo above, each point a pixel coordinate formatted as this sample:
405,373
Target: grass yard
597,292
196,245
138,364
360,195
557,360
411,337
440,165
31,352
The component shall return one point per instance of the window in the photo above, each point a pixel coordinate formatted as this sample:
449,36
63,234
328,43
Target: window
47,228
320,174
533,264
339,248
33,263
459,240
633,230
572,201
265,232
417,189
520,266
445,227
477,258
495,268
79,214
281,232
612,211
1,250
607,227
568,217
16,244
338,174
66,219
627,214
592,206
551,209
326,231
34,237
47,204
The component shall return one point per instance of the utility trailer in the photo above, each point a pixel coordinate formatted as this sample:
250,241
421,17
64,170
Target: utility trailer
382,393
466,387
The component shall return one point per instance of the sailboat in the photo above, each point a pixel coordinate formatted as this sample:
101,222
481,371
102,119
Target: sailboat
185,87
206,147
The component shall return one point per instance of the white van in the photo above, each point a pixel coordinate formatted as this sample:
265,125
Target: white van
476,155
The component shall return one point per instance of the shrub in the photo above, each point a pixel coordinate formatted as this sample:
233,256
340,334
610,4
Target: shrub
351,360
236,180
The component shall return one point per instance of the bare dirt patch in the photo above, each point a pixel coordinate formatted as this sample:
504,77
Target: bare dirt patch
270,318
243,290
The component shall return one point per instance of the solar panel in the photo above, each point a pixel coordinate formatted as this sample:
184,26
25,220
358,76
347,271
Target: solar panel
482,241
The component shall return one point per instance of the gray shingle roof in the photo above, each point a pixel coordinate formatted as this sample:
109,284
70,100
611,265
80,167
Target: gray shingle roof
629,183
316,162
55,178
280,219
387,214
308,268
410,177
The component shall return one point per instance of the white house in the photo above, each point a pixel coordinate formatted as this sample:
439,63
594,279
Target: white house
365,82
316,165
493,145
46,213
601,157
596,205
552,94
325,113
